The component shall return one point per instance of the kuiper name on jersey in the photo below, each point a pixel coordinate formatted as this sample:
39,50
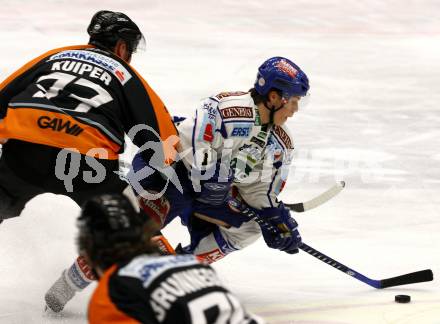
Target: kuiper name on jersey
111,65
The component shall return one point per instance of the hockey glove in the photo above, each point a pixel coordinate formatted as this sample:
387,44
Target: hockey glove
279,229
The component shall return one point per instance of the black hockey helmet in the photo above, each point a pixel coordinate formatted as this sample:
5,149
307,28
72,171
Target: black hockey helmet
107,27
111,231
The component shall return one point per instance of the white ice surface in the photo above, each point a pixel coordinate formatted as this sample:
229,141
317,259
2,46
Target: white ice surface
373,121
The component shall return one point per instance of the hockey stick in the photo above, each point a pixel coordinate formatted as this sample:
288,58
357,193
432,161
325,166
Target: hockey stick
409,278
317,201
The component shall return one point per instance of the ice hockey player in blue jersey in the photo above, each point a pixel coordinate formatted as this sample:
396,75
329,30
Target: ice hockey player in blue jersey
235,155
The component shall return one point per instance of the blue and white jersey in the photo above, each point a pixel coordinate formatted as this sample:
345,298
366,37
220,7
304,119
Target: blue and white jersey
227,128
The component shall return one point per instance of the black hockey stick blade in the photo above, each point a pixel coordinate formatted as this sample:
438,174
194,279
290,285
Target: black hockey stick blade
298,207
409,278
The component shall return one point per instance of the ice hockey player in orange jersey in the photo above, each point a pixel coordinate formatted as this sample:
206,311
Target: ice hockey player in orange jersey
136,284
63,117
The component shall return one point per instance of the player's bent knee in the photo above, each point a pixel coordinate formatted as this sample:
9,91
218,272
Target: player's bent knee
223,241
243,236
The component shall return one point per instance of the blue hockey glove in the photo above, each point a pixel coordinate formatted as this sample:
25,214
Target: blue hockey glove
279,229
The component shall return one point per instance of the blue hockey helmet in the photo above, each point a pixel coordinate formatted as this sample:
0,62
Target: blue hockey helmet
282,74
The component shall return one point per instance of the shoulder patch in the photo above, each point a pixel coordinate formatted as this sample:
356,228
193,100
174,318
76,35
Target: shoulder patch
210,107
237,112
209,113
147,268
222,95
283,136
103,61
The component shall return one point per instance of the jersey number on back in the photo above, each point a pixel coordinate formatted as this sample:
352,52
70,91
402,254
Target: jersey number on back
216,307
63,79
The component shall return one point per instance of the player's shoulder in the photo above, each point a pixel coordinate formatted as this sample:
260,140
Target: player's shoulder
229,95
235,105
88,56
147,268
78,51
229,98
50,54
65,48
283,136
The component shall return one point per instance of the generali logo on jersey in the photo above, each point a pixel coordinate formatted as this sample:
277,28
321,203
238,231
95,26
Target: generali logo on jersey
284,137
237,112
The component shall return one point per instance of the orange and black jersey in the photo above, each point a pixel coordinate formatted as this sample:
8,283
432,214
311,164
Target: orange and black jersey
168,290
83,98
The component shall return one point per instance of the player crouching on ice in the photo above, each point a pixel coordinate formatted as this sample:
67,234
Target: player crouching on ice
235,156
232,138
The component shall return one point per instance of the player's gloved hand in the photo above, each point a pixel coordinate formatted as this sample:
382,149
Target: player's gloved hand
215,190
279,229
